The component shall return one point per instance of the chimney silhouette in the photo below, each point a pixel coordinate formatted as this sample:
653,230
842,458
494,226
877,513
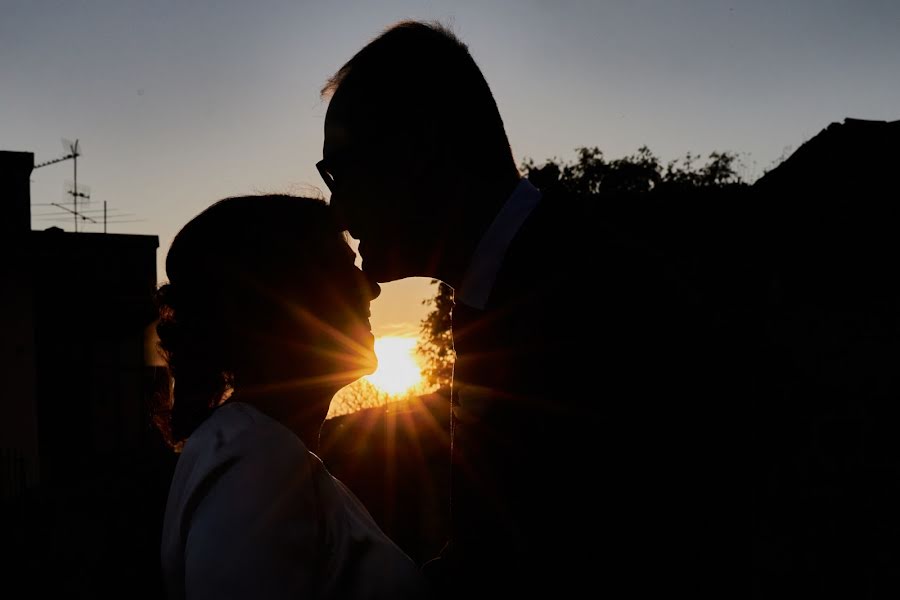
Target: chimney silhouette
15,185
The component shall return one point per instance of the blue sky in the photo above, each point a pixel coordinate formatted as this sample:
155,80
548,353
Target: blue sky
178,104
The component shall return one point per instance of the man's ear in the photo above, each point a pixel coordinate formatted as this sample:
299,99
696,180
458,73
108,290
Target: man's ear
413,154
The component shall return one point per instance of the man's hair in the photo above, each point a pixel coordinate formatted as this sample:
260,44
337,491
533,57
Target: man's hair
419,77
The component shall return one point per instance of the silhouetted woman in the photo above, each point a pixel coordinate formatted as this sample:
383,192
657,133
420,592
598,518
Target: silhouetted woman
264,318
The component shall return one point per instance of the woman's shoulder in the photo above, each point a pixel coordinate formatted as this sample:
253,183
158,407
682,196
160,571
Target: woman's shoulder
236,450
237,438
240,427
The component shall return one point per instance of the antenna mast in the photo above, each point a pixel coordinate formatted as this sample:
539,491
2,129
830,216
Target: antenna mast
74,151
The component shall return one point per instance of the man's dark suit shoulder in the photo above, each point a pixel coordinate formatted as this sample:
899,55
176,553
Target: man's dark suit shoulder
624,348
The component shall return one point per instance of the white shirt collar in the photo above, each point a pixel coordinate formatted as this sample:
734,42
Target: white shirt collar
478,281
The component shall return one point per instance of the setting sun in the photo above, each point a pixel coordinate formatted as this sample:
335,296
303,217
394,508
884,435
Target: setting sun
397,368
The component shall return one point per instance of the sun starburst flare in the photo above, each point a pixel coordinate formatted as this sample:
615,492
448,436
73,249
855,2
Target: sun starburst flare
398,371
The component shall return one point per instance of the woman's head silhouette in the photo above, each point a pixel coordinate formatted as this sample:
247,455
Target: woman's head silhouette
264,301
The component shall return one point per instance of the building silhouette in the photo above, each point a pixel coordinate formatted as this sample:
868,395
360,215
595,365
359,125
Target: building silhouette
81,463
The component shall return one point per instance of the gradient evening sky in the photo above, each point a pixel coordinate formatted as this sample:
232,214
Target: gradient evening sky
178,104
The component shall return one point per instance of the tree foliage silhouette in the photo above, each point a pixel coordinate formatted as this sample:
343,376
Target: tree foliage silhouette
436,342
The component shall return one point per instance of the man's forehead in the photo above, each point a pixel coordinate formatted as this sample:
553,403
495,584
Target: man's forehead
349,122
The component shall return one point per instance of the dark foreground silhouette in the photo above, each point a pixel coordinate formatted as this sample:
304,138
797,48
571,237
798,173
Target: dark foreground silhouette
801,267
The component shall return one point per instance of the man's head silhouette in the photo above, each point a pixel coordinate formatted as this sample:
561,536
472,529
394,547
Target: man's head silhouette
415,153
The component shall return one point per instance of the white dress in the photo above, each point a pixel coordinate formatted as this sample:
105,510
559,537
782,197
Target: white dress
252,513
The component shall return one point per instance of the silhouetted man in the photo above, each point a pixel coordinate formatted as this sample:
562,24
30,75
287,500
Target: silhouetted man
579,454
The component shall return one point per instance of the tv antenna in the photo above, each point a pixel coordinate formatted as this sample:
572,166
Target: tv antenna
72,151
